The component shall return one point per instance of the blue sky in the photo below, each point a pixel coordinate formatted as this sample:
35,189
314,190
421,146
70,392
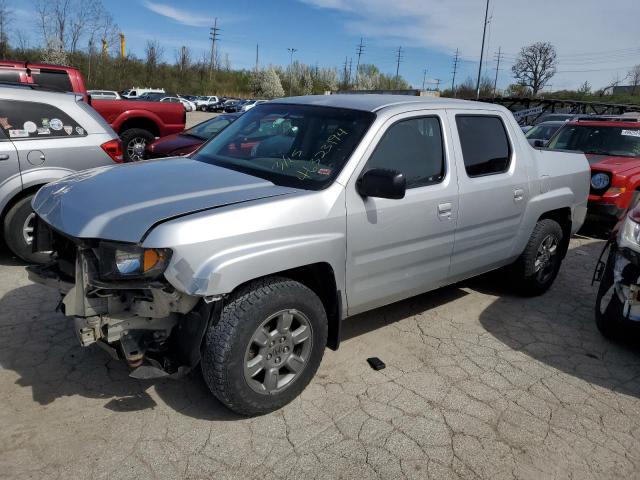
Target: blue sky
327,31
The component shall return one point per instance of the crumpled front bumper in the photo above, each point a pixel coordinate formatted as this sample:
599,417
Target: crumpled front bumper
150,324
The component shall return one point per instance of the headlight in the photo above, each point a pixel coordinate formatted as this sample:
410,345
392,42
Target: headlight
629,236
599,181
124,261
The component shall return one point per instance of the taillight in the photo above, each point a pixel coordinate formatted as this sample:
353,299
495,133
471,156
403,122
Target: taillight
113,148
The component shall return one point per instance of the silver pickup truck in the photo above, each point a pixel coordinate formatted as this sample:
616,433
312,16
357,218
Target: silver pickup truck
247,256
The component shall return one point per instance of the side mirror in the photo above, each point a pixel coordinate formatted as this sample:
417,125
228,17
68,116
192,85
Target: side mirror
538,143
382,183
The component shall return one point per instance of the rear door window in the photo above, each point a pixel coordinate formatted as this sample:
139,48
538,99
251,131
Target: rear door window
33,120
53,79
485,146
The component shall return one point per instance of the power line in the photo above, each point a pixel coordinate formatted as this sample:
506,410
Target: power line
291,52
359,52
456,58
398,60
495,82
213,36
484,33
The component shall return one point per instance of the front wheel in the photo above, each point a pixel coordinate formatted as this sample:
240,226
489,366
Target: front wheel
537,267
266,346
18,231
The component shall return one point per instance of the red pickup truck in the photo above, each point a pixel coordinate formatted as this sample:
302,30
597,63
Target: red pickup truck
136,122
612,147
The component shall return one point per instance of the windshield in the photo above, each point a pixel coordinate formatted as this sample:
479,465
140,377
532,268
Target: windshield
542,132
616,141
208,129
299,146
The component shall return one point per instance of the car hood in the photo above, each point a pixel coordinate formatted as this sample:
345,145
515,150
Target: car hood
172,143
613,164
123,202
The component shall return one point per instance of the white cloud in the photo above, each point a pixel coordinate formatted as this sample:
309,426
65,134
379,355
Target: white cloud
579,29
182,16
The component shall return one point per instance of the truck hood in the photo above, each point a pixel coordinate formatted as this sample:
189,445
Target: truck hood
123,202
613,164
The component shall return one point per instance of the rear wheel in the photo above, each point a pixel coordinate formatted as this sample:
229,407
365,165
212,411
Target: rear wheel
266,346
134,142
18,231
537,267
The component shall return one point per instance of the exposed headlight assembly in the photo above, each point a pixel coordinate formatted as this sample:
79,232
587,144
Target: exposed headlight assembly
599,181
629,236
121,261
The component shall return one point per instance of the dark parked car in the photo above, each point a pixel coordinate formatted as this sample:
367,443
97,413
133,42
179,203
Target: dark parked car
543,132
186,142
232,106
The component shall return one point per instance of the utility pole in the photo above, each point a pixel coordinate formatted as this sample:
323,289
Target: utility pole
484,32
398,60
456,58
257,52
344,73
424,78
437,84
291,52
359,51
495,81
350,64
213,36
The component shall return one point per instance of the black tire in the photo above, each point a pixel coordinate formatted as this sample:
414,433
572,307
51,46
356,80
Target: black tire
14,235
526,280
228,343
132,137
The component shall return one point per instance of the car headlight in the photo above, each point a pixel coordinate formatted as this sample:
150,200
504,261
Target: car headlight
599,181
629,236
124,261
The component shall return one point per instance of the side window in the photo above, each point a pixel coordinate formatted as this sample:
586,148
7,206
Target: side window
414,148
485,146
57,80
22,120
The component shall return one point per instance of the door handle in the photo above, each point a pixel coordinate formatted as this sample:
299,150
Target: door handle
444,211
4,156
518,194
41,157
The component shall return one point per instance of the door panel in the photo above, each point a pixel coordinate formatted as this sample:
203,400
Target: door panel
399,248
490,209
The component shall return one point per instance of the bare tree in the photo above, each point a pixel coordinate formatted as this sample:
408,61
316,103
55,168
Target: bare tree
535,66
85,15
183,58
153,53
5,19
42,8
614,82
634,77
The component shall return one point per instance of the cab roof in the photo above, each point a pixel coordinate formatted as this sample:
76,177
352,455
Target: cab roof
606,123
375,102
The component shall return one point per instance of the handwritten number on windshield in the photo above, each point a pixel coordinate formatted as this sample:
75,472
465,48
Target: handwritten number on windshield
333,139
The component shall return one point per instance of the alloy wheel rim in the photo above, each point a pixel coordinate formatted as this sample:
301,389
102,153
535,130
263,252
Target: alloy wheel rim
135,148
278,351
545,258
27,228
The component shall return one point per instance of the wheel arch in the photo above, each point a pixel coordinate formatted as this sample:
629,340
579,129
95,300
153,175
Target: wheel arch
563,217
319,278
144,123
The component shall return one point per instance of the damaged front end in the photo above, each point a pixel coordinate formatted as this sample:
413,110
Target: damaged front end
618,298
120,301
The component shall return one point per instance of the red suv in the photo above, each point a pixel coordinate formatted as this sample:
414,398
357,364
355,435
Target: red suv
612,147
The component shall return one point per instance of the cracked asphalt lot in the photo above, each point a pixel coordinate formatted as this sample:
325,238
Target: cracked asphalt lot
478,384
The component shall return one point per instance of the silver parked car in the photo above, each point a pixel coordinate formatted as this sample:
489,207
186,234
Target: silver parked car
44,136
300,213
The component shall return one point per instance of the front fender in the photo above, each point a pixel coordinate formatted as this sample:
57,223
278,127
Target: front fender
227,269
